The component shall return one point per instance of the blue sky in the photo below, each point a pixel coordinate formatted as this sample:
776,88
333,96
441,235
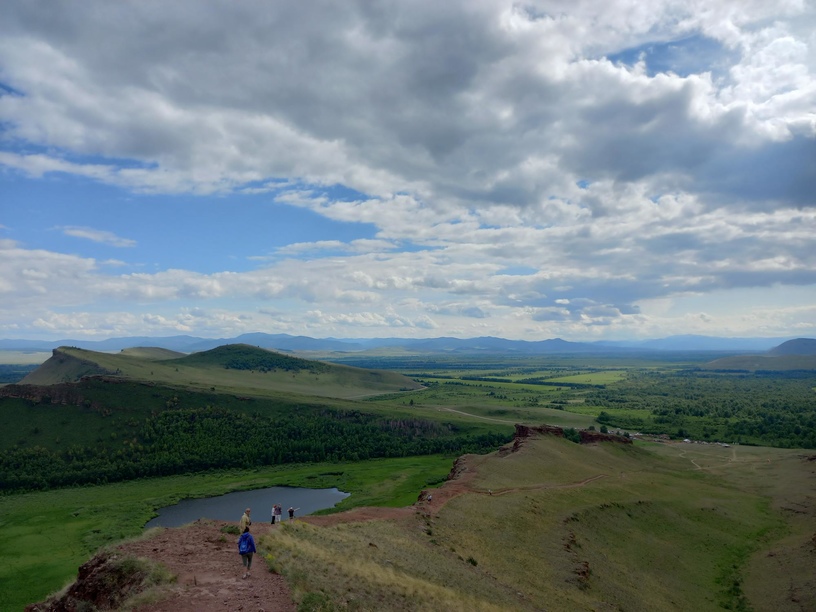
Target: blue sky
152,232
535,170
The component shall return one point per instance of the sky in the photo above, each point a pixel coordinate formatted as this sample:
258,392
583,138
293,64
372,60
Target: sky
529,170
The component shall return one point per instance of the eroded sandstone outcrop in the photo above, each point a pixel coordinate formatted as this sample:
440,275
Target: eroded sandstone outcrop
102,583
524,432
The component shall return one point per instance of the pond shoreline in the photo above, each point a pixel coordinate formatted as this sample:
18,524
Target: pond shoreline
230,506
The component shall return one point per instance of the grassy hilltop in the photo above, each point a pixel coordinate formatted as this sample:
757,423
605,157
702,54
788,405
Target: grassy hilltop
236,368
558,526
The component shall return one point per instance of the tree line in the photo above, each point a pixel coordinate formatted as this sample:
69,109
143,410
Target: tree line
768,408
197,439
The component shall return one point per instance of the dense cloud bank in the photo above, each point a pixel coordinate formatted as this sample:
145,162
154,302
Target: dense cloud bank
548,168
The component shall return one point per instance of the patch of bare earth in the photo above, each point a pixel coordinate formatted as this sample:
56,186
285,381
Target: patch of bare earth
210,571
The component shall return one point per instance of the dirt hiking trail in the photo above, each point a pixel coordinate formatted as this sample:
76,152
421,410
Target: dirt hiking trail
209,571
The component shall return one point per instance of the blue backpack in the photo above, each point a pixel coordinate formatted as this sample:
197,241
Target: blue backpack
245,544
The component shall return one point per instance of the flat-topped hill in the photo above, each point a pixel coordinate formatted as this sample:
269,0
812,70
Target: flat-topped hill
155,353
66,365
239,369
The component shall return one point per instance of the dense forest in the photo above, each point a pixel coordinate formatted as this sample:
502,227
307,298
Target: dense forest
245,357
181,440
768,408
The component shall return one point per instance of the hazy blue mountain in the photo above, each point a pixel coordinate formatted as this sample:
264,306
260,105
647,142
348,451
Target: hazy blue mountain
29,345
281,342
699,343
489,344
444,345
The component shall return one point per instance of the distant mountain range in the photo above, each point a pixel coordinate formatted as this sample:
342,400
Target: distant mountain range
444,345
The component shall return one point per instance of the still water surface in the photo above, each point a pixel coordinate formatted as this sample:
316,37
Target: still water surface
231,506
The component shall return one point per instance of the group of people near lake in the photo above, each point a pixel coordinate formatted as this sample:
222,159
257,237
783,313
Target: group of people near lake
277,513
246,543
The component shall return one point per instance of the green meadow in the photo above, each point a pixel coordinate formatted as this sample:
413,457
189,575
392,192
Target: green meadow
603,377
45,536
495,406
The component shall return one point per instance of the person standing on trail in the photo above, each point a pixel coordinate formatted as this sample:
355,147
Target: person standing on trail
278,513
274,507
292,513
245,520
246,548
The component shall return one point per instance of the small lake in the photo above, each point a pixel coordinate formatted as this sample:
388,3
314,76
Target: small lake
231,506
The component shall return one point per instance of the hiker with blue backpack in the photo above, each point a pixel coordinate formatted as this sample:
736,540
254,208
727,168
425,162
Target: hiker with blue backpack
246,548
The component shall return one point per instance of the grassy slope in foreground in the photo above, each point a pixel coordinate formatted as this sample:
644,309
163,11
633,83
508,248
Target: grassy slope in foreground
240,369
46,536
572,527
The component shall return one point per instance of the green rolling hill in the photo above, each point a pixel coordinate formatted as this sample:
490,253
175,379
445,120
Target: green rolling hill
798,346
234,368
797,354
85,417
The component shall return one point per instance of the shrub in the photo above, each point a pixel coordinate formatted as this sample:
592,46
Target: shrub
572,435
316,602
